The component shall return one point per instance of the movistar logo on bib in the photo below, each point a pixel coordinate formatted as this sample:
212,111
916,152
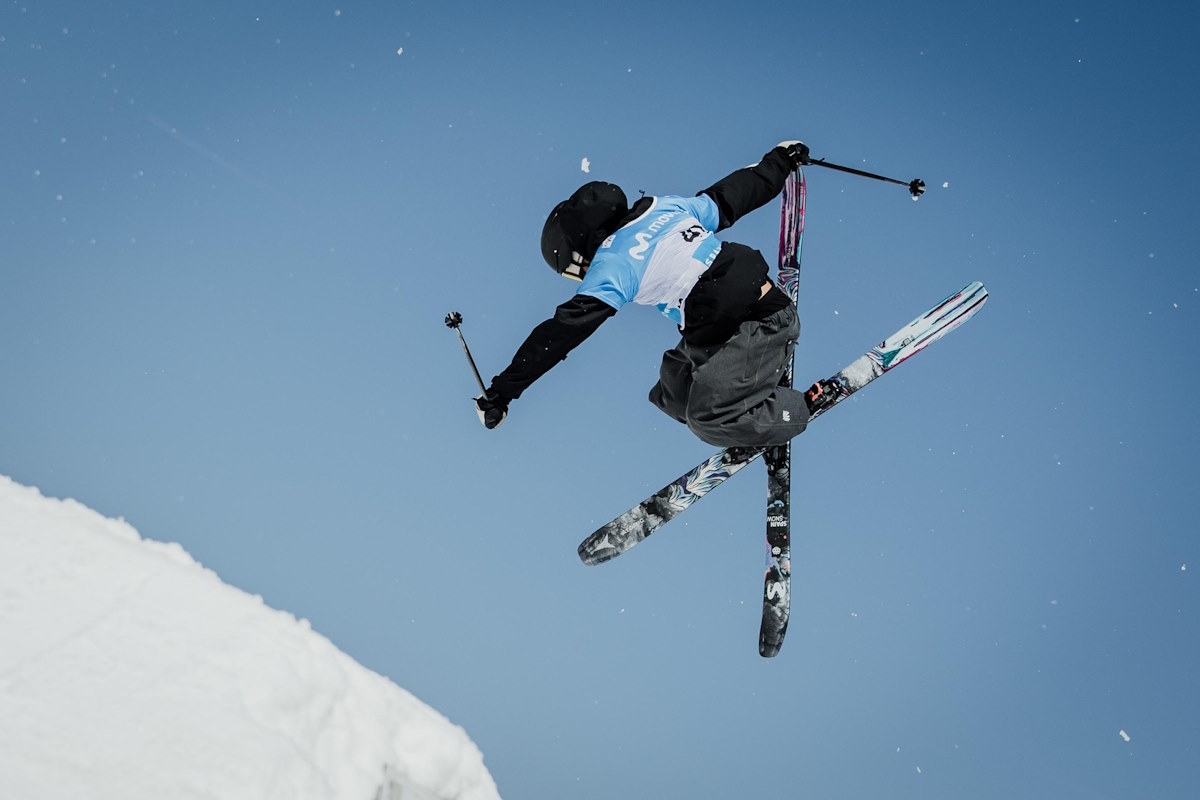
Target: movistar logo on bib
656,259
645,237
643,244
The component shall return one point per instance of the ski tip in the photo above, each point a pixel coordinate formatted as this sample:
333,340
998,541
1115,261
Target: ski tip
769,649
977,294
772,633
592,557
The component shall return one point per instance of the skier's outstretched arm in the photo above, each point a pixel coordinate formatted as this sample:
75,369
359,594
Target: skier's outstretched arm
572,323
741,192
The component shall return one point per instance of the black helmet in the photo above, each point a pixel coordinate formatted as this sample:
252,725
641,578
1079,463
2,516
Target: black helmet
578,225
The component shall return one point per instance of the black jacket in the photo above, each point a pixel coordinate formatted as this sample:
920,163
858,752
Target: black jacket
726,294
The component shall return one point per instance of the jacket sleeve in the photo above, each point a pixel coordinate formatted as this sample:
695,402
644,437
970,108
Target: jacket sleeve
752,187
572,323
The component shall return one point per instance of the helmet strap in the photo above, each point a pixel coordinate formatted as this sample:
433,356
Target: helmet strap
577,268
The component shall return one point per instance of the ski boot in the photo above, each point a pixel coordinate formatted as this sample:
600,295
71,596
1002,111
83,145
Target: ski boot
822,394
738,454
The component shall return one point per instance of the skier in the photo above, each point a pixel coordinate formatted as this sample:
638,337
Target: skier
738,328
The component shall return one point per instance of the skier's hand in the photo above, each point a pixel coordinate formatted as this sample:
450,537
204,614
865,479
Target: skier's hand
796,151
491,408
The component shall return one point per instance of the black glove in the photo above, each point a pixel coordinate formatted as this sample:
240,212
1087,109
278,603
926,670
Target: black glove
797,152
491,408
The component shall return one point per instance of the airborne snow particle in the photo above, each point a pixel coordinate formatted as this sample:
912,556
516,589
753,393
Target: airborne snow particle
585,165
945,184
1124,735
400,51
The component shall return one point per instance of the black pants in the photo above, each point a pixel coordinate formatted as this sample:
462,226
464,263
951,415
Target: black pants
729,394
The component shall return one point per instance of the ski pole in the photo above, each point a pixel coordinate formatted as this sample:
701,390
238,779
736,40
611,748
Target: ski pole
916,187
453,320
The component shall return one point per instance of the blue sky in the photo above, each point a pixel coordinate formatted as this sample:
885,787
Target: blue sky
231,233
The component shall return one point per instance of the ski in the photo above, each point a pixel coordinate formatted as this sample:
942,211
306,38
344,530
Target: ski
777,578
619,535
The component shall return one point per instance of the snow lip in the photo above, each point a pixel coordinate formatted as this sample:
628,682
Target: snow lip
129,670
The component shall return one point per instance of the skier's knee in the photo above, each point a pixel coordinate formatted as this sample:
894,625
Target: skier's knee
661,400
712,432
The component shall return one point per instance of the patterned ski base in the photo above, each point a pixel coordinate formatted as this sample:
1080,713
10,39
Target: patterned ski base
777,578
777,581
615,537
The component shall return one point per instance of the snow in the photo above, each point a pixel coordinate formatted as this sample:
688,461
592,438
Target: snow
861,371
127,670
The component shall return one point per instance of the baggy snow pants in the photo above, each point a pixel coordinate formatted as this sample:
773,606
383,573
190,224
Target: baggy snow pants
729,394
